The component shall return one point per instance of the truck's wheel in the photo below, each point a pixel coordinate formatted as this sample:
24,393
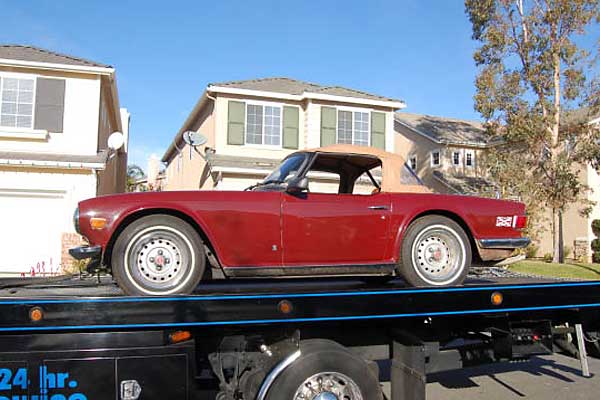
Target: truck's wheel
435,252
158,255
326,371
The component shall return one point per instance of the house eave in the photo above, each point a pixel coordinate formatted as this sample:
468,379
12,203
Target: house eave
6,62
52,164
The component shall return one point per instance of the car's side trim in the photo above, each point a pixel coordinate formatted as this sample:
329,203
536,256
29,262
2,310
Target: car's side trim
504,243
292,270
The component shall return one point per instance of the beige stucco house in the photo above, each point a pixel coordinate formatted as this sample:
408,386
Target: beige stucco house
56,113
251,125
444,152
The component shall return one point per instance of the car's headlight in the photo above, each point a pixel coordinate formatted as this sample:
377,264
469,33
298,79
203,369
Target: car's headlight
76,220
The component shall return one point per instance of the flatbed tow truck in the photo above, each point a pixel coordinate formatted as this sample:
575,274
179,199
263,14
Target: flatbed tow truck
319,339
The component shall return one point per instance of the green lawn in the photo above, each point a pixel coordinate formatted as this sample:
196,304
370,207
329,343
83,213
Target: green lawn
568,270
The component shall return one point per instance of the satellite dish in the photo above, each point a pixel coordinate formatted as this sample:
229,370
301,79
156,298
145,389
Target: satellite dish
115,141
194,138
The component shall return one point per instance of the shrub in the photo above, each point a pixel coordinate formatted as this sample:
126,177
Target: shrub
595,245
532,250
596,227
567,251
548,257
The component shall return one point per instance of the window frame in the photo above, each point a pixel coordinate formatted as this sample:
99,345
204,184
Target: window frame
439,164
353,110
472,154
16,75
264,104
459,162
410,159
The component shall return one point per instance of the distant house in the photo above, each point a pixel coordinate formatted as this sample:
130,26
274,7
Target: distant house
251,125
56,114
444,152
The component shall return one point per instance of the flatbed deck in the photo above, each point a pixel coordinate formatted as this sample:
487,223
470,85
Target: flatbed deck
88,304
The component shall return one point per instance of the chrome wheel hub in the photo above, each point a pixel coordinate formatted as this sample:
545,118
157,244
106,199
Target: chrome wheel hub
438,255
328,386
159,258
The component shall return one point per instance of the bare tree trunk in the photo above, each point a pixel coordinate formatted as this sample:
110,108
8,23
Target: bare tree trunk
555,236
561,244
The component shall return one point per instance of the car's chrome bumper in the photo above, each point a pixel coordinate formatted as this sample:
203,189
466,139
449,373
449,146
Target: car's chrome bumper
504,243
83,252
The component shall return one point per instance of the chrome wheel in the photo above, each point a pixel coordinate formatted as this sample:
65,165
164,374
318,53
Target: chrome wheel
438,255
328,386
158,260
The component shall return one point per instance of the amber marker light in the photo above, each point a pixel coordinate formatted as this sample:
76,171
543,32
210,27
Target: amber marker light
180,336
36,314
98,223
497,298
285,307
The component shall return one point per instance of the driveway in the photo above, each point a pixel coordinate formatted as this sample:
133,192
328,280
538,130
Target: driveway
542,378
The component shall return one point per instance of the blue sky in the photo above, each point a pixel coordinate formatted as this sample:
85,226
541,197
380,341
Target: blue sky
166,53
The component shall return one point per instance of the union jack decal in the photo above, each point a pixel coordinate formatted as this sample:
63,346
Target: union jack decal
504,221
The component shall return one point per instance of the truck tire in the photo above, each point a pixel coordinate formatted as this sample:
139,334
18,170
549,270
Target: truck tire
435,251
158,255
330,370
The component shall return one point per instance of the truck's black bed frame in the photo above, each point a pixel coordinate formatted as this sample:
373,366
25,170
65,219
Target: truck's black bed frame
286,302
88,329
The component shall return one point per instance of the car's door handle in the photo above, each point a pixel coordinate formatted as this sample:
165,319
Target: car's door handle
379,208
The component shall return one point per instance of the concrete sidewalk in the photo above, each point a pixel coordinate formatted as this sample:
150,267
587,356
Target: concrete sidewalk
555,377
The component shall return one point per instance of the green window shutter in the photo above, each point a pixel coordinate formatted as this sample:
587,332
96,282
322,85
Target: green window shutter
236,120
378,130
328,125
291,127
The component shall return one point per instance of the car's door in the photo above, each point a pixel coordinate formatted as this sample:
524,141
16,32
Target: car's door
323,229
245,226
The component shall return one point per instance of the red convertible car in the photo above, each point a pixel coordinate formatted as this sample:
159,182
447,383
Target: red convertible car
378,220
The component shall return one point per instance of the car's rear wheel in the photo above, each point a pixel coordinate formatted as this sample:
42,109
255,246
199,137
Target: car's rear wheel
435,252
158,255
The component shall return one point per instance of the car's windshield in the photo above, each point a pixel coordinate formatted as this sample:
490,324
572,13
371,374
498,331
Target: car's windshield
287,170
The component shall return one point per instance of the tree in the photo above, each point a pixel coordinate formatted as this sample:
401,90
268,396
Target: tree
134,173
535,88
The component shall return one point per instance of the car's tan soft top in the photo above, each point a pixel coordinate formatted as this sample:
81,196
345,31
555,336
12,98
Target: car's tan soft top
391,166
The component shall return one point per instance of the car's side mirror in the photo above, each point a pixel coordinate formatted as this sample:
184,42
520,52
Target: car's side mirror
298,185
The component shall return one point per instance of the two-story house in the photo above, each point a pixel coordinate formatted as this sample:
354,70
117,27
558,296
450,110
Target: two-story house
56,113
251,125
444,152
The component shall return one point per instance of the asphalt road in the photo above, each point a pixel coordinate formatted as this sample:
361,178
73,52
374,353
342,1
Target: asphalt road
542,378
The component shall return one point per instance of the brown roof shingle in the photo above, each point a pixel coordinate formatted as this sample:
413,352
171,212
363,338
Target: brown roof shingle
445,130
37,54
297,87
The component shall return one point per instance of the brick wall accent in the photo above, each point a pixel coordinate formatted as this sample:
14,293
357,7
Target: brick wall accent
582,250
68,241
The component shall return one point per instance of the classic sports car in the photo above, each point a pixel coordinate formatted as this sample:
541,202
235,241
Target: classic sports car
328,211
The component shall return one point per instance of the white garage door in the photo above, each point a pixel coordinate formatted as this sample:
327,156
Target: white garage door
31,226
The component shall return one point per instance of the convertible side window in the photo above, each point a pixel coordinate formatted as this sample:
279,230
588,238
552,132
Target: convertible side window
323,182
364,184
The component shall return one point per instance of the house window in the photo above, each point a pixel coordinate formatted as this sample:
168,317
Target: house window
435,158
412,162
353,127
263,125
16,109
456,158
469,159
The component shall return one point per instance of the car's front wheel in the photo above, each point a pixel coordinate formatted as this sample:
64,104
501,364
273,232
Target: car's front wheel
158,255
435,252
